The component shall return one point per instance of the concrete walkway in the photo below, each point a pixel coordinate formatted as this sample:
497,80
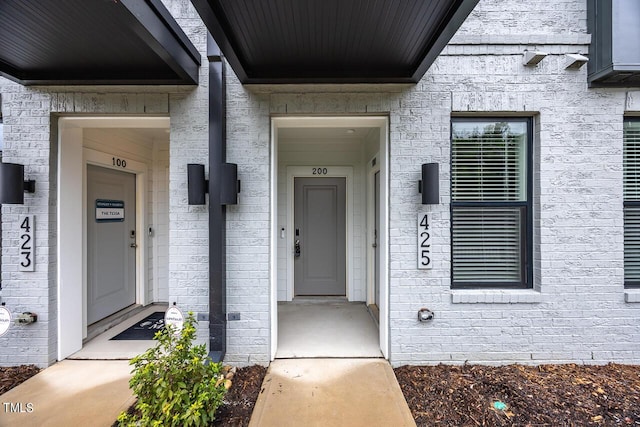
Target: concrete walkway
296,392
70,393
331,392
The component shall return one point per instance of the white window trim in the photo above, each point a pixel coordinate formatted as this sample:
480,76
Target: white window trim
496,296
632,295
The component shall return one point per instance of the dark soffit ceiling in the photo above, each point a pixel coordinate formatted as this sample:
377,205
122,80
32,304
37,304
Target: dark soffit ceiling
94,42
332,41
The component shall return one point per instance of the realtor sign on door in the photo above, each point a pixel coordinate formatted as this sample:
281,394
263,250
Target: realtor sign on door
109,210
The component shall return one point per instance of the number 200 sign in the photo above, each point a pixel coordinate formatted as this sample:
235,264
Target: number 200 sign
424,243
26,242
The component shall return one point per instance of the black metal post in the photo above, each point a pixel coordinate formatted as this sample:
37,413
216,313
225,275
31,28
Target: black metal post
217,220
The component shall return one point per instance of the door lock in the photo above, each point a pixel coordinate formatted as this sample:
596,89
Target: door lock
296,246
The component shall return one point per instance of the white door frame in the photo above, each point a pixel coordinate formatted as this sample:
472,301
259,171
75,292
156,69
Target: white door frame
371,174
294,172
72,215
381,122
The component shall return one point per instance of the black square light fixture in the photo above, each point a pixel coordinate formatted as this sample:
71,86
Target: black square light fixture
12,184
198,186
429,185
230,186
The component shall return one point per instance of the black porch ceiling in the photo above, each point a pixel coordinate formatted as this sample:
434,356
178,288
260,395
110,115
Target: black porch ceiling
94,42
332,41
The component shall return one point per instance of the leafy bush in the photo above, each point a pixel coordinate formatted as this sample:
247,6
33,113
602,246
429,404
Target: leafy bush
175,382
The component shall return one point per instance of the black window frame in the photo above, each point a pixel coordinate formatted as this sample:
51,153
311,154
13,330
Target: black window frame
628,284
1,149
526,244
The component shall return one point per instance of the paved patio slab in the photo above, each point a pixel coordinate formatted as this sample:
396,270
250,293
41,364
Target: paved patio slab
325,328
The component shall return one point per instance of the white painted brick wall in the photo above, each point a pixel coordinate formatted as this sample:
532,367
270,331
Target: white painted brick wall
248,226
26,130
27,115
577,311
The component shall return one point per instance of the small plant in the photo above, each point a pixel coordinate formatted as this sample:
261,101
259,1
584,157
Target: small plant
175,382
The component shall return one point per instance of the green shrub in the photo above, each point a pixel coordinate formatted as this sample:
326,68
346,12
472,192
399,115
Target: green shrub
175,382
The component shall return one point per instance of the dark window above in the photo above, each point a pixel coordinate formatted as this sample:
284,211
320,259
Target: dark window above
614,54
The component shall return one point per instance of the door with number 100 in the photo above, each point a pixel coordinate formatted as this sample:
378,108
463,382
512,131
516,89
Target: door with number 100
111,244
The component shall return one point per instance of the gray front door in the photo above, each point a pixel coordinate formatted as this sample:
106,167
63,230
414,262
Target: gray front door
111,238
320,236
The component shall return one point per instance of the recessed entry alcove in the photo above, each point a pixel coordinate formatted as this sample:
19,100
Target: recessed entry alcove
329,236
113,223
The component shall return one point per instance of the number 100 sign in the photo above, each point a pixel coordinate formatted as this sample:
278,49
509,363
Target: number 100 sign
26,247
424,242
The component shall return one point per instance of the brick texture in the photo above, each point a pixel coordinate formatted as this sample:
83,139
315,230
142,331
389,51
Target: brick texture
30,122
578,310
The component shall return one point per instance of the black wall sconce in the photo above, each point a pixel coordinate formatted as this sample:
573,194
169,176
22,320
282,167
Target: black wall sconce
12,184
429,185
230,184
198,186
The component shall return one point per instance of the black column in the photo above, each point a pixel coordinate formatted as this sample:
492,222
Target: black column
217,221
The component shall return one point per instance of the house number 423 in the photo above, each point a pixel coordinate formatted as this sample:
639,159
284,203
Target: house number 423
26,243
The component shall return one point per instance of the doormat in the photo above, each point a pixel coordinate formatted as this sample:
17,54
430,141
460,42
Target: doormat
144,329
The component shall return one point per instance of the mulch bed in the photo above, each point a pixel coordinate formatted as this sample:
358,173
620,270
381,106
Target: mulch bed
239,401
14,375
545,395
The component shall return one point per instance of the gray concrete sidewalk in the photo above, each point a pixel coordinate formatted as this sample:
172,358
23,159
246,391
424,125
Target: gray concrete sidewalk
297,392
70,393
331,392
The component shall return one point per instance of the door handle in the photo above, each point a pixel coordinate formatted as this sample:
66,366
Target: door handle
133,245
296,246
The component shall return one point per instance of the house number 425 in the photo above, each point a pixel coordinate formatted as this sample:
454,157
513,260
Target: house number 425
424,242
26,243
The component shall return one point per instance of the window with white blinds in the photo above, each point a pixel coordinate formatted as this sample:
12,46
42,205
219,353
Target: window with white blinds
490,202
631,192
